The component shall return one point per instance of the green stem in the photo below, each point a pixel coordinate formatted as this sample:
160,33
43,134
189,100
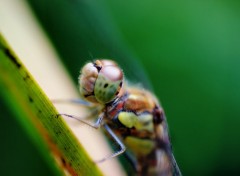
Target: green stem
38,116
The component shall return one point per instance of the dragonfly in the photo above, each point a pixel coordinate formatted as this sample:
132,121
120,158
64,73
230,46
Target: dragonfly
130,115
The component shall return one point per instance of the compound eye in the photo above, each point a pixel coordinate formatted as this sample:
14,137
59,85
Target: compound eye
106,62
87,79
108,84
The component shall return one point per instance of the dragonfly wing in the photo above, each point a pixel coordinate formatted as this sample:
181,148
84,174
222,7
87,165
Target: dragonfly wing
176,170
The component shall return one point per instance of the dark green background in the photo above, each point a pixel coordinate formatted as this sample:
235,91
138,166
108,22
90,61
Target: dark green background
190,52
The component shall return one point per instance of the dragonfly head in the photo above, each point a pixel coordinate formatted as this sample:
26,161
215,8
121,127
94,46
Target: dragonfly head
101,81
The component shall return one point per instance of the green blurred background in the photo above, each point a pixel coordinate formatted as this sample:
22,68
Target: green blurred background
188,52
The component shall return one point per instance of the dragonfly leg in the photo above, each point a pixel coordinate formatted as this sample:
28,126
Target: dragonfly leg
132,160
117,140
91,108
96,125
72,101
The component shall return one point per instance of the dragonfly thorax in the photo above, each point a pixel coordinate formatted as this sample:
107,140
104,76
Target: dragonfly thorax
139,121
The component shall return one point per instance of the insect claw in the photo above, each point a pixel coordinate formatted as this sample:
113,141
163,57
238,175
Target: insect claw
95,125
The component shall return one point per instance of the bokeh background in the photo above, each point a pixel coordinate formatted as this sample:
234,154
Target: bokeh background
187,52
